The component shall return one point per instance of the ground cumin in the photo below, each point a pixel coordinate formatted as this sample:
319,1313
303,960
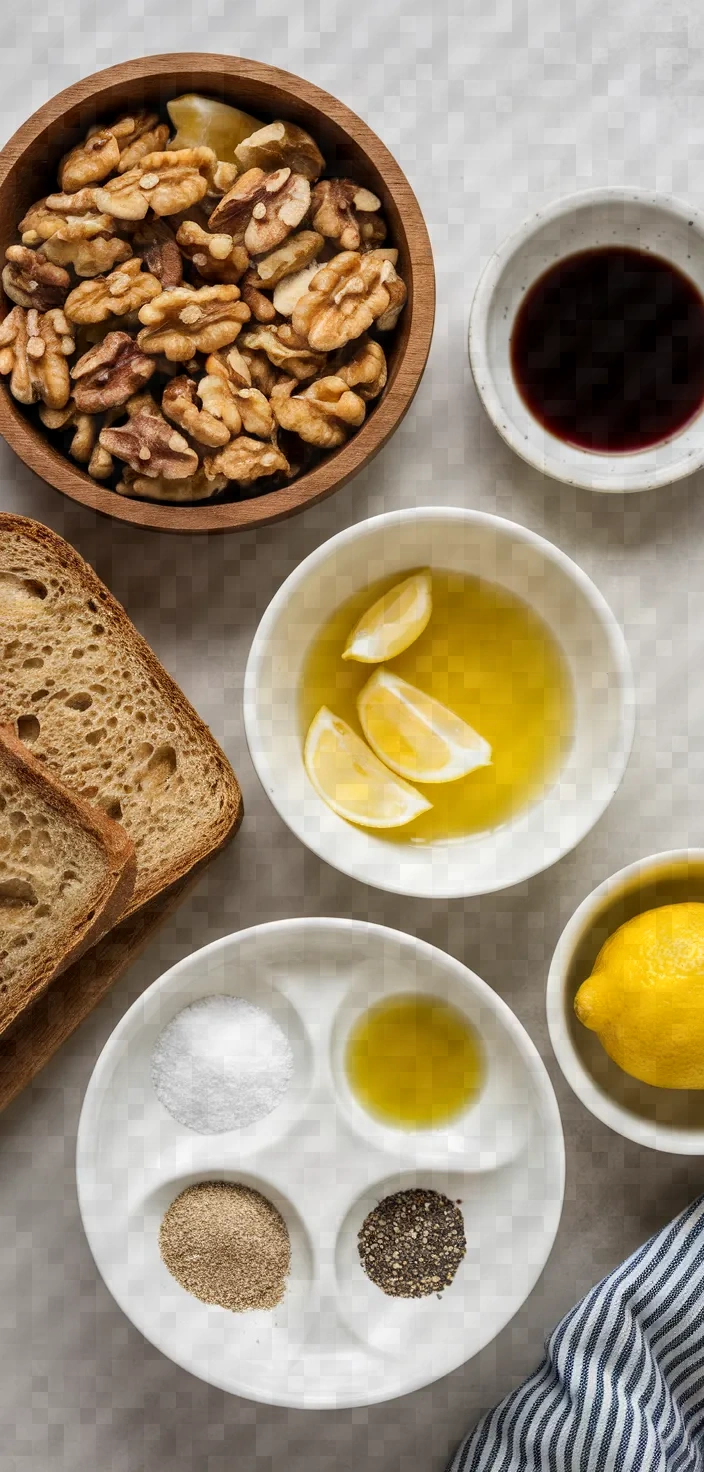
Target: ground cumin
227,1245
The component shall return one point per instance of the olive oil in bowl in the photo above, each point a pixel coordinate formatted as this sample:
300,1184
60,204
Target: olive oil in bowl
492,660
414,1061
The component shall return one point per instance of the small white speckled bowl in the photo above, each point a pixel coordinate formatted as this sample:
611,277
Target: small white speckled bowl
671,1120
658,224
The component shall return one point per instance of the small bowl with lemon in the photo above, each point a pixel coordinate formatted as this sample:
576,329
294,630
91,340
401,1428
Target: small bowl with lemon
439,703
625,1002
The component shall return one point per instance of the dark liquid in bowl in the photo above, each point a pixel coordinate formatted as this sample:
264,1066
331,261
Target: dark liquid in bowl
607,349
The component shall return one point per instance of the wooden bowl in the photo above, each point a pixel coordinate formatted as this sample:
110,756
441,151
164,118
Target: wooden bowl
28,166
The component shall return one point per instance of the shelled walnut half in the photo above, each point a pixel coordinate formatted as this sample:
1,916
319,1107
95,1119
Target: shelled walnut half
322,414
215,256
110,373
262,209
346,297
245,460
163,182
151,446
198,487
346,213
34,348
286,350
184,321
30,280
123,291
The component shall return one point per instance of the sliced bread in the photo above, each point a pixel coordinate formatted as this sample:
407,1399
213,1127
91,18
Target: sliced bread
66,876
85,691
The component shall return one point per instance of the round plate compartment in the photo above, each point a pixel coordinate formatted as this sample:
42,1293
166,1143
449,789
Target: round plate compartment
335,1340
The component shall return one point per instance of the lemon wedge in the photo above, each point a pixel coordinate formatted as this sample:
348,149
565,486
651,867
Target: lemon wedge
350,779
394,622
415,734
203,121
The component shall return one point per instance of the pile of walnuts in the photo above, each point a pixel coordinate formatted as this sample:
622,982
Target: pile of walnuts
197,326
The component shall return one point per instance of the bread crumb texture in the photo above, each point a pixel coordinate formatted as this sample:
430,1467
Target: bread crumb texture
90,700
51,872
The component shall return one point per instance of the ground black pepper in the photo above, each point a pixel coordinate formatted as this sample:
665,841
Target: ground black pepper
412,1243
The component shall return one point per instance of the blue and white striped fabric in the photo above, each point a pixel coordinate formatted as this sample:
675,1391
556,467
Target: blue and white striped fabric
621,1387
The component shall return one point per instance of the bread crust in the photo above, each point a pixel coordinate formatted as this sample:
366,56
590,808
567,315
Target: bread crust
118,882
206,845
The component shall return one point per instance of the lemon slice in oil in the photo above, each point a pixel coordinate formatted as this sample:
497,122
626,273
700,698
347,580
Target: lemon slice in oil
394,622
352,781
416,735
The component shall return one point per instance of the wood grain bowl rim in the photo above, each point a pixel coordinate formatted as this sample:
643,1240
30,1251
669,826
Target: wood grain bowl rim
336,469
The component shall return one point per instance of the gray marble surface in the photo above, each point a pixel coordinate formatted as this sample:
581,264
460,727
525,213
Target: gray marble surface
492,109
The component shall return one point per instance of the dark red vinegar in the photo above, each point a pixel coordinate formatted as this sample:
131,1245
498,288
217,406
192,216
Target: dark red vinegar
607,349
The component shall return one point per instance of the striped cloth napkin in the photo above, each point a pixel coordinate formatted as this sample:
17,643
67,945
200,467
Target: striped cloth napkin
621,1387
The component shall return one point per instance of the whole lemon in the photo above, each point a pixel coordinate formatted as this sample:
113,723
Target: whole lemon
645,997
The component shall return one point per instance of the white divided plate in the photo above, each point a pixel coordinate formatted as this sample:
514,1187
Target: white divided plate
336,1339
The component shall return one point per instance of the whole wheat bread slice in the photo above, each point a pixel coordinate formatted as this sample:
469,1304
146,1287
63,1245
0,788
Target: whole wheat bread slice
85,691
66,875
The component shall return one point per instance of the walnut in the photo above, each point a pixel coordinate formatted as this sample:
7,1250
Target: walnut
262,309
228,392
262,209
239,405
42,223
151,446
110,373
298,251
198,487
165,182
261,373
30,280
235,366
256,413
215,392
279,146
179,404
215,257
101,464
366,370
124,290
221,177
395,287
286,350
91,161
348,294
94,257
85,427
137,136
118,146
336,207
33,350
322,414
246,460
289,291
80,203
155,242
143,403
184,321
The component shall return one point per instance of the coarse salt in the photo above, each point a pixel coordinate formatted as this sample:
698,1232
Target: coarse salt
221,1064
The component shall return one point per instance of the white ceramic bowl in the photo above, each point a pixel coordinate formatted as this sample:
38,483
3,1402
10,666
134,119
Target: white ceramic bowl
663,1119
614,216
335,1340
477,544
